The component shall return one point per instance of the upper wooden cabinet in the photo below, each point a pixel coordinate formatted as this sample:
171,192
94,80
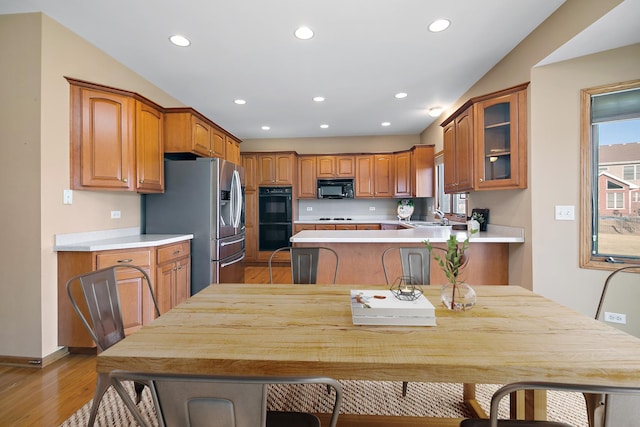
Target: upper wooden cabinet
250,165
307,179
374,175
501,136
276,168
414,172
149,148
186,131
336,166
232,150
116,140
485,143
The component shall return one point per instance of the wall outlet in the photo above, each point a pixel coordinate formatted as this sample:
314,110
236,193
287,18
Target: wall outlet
309,208
67,197
372,208
615,317
565,213
115,214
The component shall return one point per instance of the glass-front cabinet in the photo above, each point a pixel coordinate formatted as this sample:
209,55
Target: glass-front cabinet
485,143
500,161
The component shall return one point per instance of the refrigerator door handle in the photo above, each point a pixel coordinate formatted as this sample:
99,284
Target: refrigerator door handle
226,264
233,242
236,199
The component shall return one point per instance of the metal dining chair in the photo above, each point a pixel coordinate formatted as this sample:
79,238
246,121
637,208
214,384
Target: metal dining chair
415,261
618,307
102,302
198,400
304,263
416,269
611,417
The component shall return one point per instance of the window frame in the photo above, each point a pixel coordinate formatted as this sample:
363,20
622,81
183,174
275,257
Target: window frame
587,259
461,198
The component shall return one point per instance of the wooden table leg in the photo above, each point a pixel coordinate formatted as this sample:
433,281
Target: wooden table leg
469,396
529,405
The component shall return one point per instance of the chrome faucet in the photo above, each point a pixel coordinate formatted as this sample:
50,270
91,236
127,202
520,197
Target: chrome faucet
443,220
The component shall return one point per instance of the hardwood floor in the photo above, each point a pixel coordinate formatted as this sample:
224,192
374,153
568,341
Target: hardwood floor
48,396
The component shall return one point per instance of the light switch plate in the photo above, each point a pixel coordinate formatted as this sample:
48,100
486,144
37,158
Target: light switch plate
67,197
565,213
115,214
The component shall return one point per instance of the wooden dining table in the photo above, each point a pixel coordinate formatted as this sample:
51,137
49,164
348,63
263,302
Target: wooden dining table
512,334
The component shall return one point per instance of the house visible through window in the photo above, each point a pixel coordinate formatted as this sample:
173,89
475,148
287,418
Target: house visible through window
610,142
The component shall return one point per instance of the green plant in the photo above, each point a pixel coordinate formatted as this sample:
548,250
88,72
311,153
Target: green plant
454,258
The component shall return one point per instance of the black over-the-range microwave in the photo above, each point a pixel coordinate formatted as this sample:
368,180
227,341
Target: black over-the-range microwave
335,188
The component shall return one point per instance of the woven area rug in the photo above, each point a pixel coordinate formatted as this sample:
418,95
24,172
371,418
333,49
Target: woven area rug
360,397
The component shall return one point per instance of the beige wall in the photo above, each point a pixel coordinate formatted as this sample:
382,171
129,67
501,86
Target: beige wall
555,171
35,158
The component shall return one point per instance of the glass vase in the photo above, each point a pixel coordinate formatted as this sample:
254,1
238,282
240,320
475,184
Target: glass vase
458,297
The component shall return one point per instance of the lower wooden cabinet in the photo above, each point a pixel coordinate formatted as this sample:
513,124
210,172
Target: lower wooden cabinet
173,275
168,267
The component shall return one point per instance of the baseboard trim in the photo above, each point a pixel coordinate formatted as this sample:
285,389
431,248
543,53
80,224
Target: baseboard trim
30,362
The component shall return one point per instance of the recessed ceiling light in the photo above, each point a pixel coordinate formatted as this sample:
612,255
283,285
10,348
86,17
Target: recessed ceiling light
304,33
318,98
401,95
266,127
179,40
240,101
324,126
435,111
439,25
385,124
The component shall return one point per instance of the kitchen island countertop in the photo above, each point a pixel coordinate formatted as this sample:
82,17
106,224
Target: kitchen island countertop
435,234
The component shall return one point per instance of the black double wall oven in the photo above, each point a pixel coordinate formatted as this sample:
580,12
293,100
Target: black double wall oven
274,217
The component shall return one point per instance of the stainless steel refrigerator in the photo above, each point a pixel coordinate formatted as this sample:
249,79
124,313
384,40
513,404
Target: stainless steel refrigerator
203,197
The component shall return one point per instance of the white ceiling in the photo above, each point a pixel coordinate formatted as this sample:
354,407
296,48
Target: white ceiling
364,52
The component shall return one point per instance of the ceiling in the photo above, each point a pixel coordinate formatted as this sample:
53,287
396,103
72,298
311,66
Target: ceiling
363,53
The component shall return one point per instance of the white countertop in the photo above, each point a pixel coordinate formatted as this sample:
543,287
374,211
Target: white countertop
494,234
125,238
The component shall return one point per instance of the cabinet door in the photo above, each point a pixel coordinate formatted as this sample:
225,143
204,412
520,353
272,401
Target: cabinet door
325,226
251,225
364,176
346,227
284,169
218,143
345,166
449,147
422,171
383,184
182,291
368,227
132,302
201,137
326,166
464,151
300,227
250,164
232,150
402,176
500,159
102,139
307,177
149,149
266,169
165,283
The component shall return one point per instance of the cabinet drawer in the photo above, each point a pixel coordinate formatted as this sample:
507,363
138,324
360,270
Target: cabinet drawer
172,252
140,258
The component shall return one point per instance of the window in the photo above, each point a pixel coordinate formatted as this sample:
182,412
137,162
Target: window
454,204
610,161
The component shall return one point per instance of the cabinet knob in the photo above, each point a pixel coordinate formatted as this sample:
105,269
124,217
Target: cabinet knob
125,180
481,179
142,181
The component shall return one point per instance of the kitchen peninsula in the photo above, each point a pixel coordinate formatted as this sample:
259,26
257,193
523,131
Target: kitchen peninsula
360,252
